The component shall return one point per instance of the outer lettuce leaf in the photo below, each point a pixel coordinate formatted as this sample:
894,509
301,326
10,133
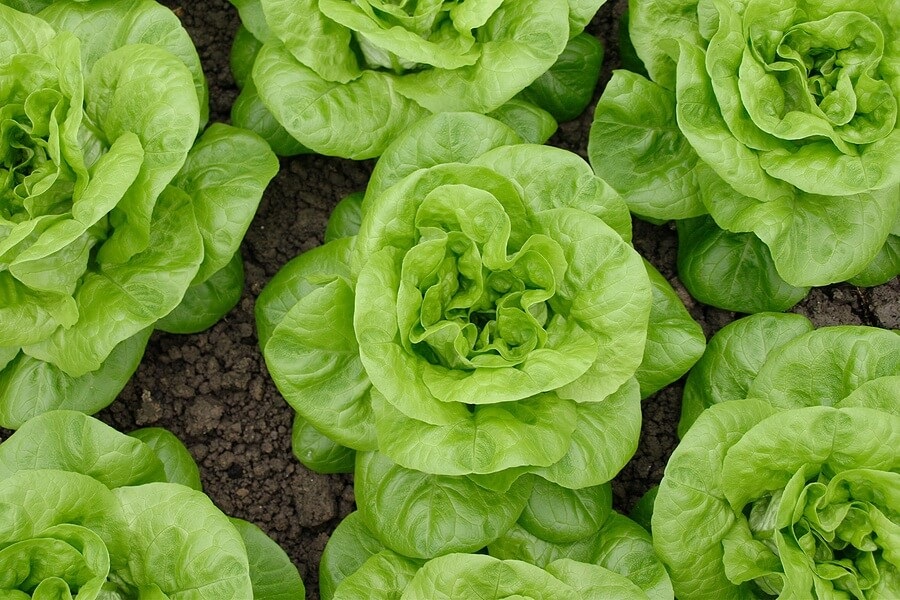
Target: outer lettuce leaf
177,462
272,574
566,89
607,539
100,452
534,124
317,451
30,386
733,359
674,340
125,23
733,271
636,145
421,515
822,367
349,547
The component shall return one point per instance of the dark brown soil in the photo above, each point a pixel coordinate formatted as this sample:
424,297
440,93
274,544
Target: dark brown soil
213,391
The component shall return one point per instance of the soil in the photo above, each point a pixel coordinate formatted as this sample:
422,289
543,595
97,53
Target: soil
213,391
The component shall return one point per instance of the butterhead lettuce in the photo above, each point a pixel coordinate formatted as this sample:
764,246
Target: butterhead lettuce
115,218
488,314
778,120
344,78
91,513
786,481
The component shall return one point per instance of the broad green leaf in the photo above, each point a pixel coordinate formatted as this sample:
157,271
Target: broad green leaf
624,547
884,267
315,360
7,355
21,32
249,112
824,366
204,304
225,174
566,88
166,131
124,23
732,271
536,432
312,39
37,500
135,294
442,138
591,581
272,574
345,218
605,438
319,452
580,14
561,515
180,542
878,393
733,359
386,574
27,317
441,513
553,178
532,123
177,462
642,511
243,53
691,510
636,145
814,438
253,18
674,340
325,116
459,576
349,547
794,226
655,20
29,386
71,441
305,273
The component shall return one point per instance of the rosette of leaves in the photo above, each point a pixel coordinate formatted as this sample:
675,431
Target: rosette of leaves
622,564
344,78
489,314
115,218
769,131
793,491
92,513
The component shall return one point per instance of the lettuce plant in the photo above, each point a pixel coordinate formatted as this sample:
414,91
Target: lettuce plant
769,131
115,218
617,561
787,484
345,78
489,314
91,513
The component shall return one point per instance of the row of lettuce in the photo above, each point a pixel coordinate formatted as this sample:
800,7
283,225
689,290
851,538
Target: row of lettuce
476,335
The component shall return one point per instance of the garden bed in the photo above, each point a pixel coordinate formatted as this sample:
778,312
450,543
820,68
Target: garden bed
213,391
